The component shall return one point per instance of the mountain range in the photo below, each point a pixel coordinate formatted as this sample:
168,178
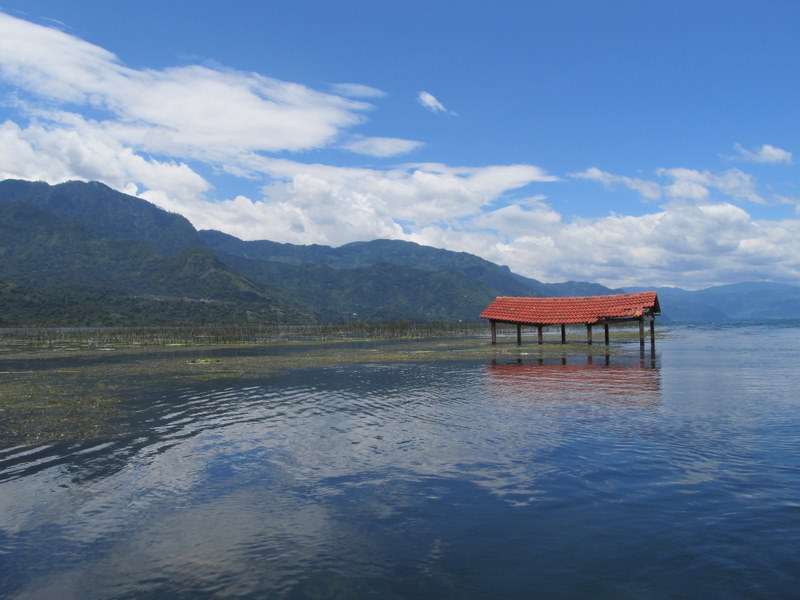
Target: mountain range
83,254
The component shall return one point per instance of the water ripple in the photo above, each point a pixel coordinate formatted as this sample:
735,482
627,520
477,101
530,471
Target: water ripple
577,479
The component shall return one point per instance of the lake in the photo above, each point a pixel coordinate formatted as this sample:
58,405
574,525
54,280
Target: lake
523,474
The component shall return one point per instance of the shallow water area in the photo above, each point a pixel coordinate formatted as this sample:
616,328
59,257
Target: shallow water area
419,473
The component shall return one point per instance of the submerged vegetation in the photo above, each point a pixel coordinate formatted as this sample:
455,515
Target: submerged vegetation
77,384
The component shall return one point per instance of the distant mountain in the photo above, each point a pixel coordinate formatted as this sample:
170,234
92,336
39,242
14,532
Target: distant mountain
499,280
56,272
379,292
82,253
106,213
739,301
753,300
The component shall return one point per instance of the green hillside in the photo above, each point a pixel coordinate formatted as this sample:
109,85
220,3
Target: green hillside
378,292
56,272
84,254
496,279
108,214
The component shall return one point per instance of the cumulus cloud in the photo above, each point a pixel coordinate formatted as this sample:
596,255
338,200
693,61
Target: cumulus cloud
697,185
688,245
314,203
430,102
765,154
532,217
54,154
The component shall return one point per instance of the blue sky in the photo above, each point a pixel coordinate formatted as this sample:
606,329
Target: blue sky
623,142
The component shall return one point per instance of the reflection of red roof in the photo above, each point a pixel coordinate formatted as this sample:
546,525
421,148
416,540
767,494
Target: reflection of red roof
622,385
585,309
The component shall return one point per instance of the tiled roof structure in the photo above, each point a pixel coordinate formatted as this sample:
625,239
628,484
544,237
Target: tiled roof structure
584,309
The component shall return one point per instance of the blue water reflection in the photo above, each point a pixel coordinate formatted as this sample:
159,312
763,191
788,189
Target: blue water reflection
549,478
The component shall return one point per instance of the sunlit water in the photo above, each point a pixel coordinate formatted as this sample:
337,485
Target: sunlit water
676,476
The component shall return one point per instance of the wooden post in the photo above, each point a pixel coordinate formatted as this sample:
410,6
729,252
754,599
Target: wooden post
589,333
641,332
652,334
563,333
539,333
519,334
493,325
605,331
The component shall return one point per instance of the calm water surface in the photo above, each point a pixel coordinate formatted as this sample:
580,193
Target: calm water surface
676,476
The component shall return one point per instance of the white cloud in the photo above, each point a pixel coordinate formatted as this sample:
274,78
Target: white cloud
193,111
647,189
357,90
147,131
57,154
765,154
519,220
430,102
684,244
54,64
381,146
335,205
737,184
697,185
687,184
789,200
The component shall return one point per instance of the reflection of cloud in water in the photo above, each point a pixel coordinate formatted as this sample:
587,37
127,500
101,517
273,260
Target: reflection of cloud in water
246,540
614,385
282,475
261,540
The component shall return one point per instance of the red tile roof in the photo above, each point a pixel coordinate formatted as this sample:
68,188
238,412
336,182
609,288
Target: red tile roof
585,309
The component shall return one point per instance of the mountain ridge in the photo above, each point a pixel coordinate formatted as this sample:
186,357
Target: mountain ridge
83,253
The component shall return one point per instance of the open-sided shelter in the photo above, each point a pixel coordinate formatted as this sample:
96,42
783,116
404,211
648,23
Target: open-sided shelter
587,310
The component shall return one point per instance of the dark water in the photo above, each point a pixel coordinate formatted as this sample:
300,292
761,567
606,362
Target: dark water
669,477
